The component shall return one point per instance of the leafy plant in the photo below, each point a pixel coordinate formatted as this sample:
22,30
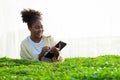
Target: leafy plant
105,67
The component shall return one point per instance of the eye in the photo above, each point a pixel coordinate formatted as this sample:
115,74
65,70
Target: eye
39,27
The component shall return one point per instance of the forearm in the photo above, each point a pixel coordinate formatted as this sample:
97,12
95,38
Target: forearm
41,55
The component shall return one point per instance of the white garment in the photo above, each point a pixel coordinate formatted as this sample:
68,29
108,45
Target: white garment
36,47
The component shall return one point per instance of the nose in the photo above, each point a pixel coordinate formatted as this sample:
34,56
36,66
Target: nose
40,30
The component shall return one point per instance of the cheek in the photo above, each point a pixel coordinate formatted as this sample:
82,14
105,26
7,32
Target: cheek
33,32
40,30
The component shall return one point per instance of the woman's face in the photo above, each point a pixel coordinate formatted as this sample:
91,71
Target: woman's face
36,30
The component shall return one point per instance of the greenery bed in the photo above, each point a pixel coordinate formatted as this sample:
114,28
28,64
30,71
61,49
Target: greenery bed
99,68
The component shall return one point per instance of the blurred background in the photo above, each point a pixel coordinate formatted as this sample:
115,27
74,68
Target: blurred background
89,27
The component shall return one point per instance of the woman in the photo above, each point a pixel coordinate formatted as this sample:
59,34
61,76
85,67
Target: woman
36,46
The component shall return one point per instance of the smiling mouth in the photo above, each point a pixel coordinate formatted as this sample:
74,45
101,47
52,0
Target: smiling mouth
39,33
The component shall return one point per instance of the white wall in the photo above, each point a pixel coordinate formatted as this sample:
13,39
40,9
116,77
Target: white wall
92,46
81,23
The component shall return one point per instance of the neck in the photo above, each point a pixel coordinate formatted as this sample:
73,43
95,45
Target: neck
36,40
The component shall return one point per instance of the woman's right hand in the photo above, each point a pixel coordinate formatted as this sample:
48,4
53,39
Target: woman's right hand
44,50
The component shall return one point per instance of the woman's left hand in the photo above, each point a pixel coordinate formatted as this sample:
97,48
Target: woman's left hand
55,51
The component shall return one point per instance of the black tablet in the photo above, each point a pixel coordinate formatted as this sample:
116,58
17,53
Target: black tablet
59,45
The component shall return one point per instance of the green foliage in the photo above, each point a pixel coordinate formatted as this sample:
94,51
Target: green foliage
80,68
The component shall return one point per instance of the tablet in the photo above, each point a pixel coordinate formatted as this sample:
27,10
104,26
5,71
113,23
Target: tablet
59,45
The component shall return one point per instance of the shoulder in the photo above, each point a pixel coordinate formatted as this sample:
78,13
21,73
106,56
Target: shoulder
24,41
47,37
49,40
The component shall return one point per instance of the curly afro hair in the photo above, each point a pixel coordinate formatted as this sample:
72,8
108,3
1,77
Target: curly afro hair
30,16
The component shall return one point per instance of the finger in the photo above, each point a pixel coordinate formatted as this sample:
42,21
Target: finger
47,47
